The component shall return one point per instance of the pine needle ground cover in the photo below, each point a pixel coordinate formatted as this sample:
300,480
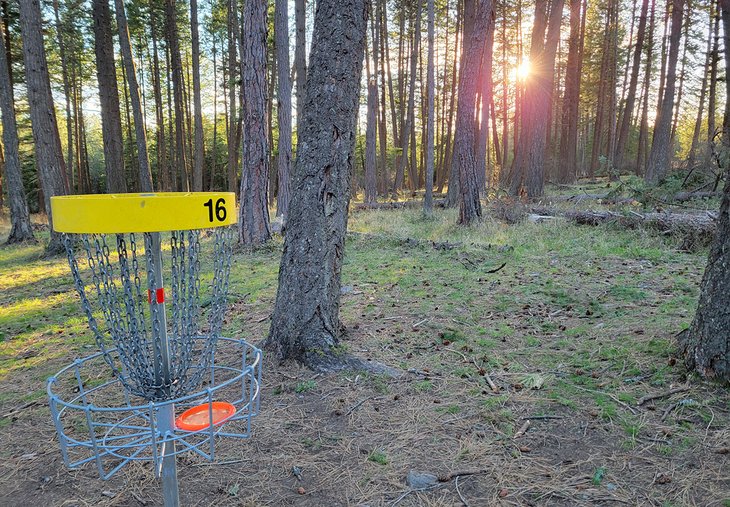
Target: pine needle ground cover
537,368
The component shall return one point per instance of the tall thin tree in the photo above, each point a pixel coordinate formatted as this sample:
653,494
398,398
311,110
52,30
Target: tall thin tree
111,119
21,229
568,166
199,151
253,224
430,91
464,158
48,154
145,175
660,155
283,108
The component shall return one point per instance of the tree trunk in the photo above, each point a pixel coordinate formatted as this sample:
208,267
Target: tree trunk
48,155
485,81
479,12
529,164
408,124
283,164
199,151
370,168
305,323
391,96
712,94
682,72
505,109
449,171
233,120
568,166
253,224
706,344
628,111
66,87
214,155
430,91
660,156
145,176
300,62
644,125
378,57
163,168
111,119
691,157
20,226
181,159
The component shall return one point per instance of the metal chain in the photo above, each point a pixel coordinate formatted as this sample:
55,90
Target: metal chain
135,326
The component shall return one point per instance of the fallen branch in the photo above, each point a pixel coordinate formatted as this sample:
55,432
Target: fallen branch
461,497
356,406
460,473
669,410
523,429
541,417
662,395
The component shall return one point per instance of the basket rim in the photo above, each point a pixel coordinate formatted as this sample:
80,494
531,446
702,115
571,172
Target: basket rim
142,212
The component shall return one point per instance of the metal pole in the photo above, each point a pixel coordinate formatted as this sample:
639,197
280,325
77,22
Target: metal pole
166,413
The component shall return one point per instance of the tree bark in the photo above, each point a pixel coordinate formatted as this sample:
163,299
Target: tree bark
283,163
643,147
470,208
691,157
20,226
485,88
199,151
164,176
628,111
233,120
449,171
145,175
111,118
181,159
712,93
529,164
300,62
568,166
660,155
706,344
408,123
48,154
370,168
305,323
430,90
66,89
253,224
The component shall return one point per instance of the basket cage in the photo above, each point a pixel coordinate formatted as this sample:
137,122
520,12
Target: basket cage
97,421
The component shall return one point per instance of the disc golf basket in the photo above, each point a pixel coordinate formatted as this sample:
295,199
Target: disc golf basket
164,380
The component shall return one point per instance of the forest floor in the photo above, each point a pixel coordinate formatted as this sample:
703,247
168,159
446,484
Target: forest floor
573,331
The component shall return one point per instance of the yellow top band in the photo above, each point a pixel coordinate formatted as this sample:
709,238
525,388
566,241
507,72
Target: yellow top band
152,212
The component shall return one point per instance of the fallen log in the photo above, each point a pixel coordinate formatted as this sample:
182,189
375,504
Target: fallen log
614,199
694,229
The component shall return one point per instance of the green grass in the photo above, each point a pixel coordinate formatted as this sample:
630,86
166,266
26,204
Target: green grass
378,457
303,387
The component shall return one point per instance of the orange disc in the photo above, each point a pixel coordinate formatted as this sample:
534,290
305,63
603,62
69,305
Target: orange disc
198,418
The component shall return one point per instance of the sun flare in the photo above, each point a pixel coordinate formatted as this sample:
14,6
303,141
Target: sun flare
522,71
